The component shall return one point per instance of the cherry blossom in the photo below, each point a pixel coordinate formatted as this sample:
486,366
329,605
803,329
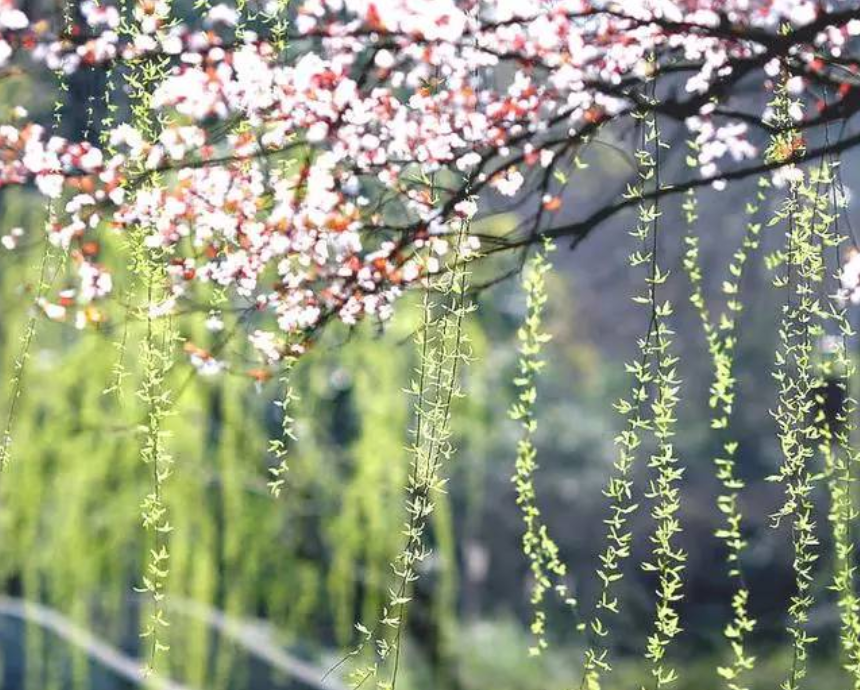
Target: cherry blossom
321,181
849,278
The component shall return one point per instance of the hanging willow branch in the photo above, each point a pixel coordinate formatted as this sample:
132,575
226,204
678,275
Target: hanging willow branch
157,352
840,457
667,559
804,317
157,360
649,408
546,567
43,279
721,338
443,350
279,447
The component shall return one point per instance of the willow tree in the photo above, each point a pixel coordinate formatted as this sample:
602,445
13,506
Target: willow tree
258,174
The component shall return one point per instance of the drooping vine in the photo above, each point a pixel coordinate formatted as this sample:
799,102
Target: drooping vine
667,558
157,351
279,447
649,410
841,457
547,569
442,345
157,361
43,277
804,314
721,339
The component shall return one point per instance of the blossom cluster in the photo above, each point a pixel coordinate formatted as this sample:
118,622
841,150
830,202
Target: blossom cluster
849,279
342,161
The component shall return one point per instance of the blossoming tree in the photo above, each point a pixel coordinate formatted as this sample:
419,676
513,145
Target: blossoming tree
282,166
313,198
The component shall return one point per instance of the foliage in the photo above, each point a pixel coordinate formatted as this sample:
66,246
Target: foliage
268,185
